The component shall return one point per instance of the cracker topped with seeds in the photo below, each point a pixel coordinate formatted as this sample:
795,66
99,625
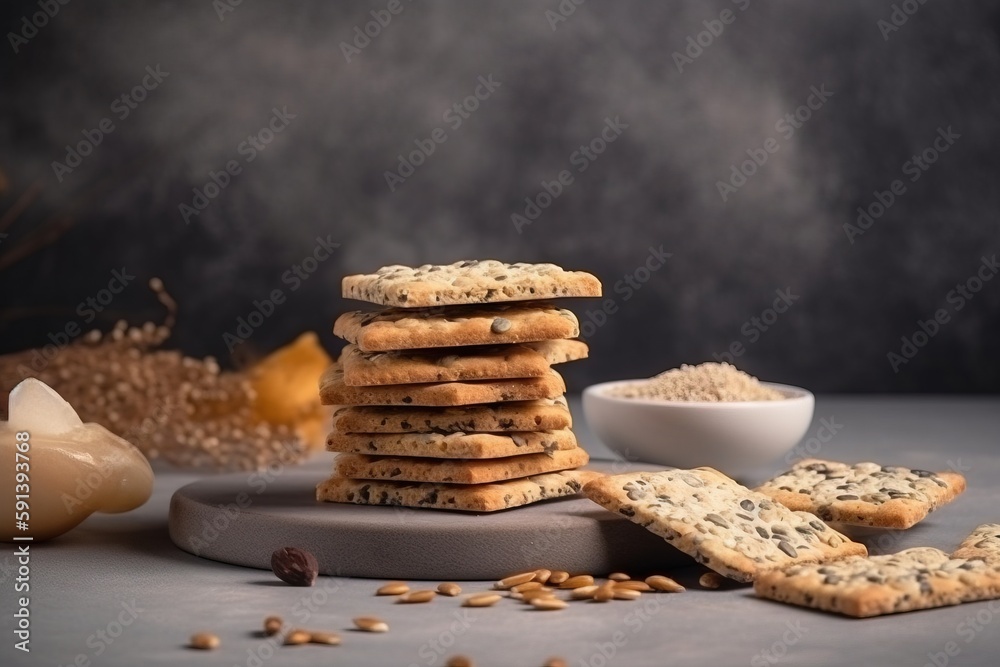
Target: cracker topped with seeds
453,445
547,414
471,281
863,494
398,329
919,578
983,543
735,531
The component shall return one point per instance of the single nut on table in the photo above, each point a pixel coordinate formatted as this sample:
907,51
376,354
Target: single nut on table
297,637
618,576
513,580
536,594
548,604
527,586
542,576
205,641
625,594
449,588
295,566
371,624
416,597
666,584
640,586
604,593
482,600
393,588
710,580
558,576
328,638
459,661
578,581
500,325
272,625
583,593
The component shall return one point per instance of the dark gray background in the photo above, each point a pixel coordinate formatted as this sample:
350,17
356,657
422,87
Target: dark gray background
324,175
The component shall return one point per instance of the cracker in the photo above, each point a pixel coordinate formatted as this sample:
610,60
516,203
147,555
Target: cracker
547,414
333,391
984,543
454,364
918,578
456,471
472,281
735,531
863,494
452,445
474,498
396,329
560,351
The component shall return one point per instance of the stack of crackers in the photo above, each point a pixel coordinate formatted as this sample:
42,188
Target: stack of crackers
448,396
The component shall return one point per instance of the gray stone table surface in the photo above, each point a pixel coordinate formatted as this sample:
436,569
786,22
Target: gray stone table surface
116,591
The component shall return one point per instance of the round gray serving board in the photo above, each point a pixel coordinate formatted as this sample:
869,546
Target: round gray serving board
242,518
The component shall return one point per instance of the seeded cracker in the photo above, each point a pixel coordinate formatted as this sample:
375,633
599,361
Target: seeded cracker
864,494
984,543
472,498
918,578
453,445
457,471
333,391
730,529
467,282
398,329
548,414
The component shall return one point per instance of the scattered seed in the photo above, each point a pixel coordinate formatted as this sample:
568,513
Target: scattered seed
527,586
604,593
416,597
513,580
618,576
640,586
583,593
393,588
328,638
449,588
272,625
548,604
577,581
665,584
371,624
558,576
555,662
297,637
710,580
205,641
482,600
626,594
459,661
537,594
542,576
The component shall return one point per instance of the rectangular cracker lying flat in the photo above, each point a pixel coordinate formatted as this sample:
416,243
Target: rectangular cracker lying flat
472,281
333,391
452,445
456,471
445,364
395,329
918,578
471,498
984,543
864,494
735,531
547,414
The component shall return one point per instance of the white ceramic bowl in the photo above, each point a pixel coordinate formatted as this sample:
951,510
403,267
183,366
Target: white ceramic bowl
733,438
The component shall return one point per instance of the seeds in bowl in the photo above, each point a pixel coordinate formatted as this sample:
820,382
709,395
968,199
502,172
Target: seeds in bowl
709,382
